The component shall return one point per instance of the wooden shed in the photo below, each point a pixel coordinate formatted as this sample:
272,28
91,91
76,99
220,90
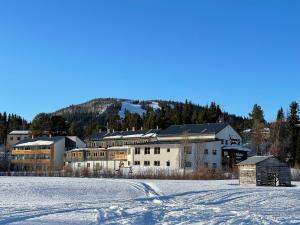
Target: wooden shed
264,171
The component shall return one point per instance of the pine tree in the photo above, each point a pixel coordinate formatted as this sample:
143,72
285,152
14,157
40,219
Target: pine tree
293,121
258,124
279,136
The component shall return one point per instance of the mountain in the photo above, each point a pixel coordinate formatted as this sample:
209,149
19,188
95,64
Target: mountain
103,106
120,114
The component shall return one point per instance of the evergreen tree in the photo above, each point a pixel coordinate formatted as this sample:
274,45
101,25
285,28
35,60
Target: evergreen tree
279,136
257,114
258,124
293,121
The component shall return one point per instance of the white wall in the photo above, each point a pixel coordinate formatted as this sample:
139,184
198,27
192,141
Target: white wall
163,157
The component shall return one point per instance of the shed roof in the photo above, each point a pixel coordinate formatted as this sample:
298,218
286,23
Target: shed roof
254,160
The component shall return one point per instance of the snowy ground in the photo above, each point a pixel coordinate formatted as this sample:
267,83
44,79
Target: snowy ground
33,200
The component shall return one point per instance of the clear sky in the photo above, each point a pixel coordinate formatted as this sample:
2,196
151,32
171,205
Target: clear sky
237,53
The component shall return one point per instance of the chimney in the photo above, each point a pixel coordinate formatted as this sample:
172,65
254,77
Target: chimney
141,128
108,130
50,135
100,131
113,130
127,129
133,128
157,127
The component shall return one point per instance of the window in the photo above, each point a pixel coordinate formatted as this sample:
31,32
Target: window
97,165
156,150
137,151
11,138
88,154
226,142
79,164
168,150
88,165
214,152
214,165
18,138
168,163
222,142
146,163
136,163
206,165
102,154
156,163
187,150
128,163
147,151
188,164
206,151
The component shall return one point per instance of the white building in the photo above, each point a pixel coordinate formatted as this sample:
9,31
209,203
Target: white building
190,147
179,147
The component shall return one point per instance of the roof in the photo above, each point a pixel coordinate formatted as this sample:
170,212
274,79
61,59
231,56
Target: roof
39,141
20,132
236,148
124,134
255,160
206,128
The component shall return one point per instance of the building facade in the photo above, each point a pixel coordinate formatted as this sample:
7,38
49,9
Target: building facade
16,136
179,147
41,154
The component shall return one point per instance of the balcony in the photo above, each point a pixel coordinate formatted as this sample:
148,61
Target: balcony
119,156
31,152
31,161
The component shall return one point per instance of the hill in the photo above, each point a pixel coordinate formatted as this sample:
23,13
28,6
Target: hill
120,114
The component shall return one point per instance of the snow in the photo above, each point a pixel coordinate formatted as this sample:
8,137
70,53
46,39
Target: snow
35,143
132,108
38,200
155,105
20,132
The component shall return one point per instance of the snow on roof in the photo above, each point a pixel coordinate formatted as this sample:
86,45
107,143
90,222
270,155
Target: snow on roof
35,143
113,137
24,132
118,148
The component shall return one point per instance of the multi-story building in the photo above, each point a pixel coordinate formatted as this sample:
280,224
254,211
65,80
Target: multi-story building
179,147
121,138
43,153
16,136
109,159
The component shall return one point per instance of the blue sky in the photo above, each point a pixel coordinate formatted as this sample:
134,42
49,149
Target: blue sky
237,53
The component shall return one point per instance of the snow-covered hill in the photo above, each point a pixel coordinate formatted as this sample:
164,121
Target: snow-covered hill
36,200
104,105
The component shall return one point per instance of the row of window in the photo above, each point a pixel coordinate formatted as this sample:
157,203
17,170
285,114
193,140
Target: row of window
147,151
40,147
94,154
22,157
147,163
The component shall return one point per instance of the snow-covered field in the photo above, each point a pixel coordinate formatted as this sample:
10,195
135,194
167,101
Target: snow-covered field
34,200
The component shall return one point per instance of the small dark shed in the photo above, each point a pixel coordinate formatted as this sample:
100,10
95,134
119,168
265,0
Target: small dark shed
264,170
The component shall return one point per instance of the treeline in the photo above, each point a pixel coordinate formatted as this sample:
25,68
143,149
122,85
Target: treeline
10,122
84,124
280,138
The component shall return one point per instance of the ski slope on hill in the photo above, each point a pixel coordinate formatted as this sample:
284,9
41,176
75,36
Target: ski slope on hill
36,200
